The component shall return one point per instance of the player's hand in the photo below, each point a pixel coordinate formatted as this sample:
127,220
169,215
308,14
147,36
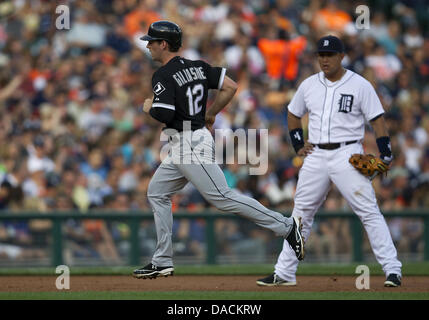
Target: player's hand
305,150
209,121
387,160
383,169
147,105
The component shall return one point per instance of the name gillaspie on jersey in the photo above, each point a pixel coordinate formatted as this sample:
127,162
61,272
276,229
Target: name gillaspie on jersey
187,75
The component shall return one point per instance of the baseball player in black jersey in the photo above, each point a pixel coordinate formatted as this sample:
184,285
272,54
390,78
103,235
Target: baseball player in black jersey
180,89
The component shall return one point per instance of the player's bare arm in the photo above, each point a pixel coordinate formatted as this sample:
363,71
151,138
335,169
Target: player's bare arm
302,148
379,126
223,97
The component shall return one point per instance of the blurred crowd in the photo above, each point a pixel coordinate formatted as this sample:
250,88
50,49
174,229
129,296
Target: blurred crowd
73,135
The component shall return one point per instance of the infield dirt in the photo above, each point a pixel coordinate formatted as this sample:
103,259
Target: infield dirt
203,283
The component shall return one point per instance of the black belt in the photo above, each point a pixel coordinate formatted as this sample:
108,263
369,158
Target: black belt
181,129
333,146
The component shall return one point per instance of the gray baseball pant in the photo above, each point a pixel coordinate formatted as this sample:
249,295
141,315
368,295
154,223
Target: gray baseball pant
175,172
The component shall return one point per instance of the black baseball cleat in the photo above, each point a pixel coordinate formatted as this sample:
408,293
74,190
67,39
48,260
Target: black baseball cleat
274,280
151,272
295,238
393,280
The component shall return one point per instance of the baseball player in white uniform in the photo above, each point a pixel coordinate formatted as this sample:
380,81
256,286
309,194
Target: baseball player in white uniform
338,102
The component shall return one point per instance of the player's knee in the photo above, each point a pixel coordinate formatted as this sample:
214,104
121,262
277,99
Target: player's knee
153,192
154,196
220,205
151,197
215,196
224,201
158,200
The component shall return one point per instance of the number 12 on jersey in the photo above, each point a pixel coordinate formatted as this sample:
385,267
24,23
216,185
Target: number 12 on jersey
197,92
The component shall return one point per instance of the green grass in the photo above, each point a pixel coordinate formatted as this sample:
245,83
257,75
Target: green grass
410,269
210,295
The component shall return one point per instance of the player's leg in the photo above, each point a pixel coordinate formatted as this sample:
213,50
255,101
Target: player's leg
166,181
210,181
360,195
311,191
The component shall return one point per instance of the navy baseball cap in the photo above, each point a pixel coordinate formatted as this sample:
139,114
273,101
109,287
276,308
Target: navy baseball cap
330,44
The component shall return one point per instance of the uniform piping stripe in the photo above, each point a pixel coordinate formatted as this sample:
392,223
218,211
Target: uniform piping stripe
377,116
221,78
330,114
230,198
323,109
163,105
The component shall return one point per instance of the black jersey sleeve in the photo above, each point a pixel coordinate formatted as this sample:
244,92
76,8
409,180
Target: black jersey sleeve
163,93
162,115
215,76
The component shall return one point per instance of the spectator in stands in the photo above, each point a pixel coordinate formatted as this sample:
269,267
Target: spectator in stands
71,99
281,54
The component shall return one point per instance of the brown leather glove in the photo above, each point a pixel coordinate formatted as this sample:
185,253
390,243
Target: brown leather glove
368,165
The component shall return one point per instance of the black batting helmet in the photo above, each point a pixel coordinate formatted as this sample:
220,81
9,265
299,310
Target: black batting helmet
165,30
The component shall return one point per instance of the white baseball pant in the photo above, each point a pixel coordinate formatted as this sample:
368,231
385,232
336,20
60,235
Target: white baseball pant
192,159
318,170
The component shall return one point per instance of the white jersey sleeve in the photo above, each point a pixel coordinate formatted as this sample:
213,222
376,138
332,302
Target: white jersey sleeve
297,105
370,103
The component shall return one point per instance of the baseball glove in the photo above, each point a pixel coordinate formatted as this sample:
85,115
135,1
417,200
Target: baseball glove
368,165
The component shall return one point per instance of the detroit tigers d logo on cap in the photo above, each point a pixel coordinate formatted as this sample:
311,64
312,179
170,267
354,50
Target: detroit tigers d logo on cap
330,44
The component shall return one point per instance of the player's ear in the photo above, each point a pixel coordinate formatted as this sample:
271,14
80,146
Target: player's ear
164,44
